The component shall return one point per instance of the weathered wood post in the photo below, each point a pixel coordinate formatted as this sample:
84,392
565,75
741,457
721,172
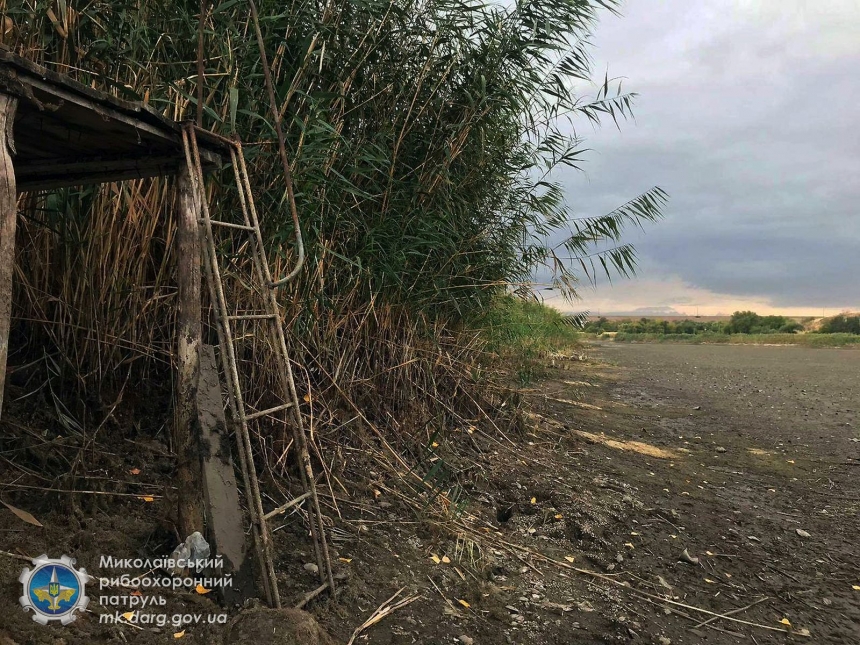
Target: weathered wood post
8,221
186,431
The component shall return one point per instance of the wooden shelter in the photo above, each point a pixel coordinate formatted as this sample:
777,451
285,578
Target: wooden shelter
57,132
68,134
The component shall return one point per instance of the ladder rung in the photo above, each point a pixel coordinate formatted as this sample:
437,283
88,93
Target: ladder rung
252,317
287,506
262,413
241,227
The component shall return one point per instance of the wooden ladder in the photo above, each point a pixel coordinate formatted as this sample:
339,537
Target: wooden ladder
287,409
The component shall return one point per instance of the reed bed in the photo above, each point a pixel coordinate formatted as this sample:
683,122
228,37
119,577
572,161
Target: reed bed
423,136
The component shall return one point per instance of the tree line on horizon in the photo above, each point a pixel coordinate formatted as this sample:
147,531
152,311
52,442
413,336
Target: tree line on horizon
741,322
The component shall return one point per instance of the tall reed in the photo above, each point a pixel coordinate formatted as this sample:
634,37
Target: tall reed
423,136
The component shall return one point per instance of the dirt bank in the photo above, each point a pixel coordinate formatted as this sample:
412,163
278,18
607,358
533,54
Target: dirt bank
572,531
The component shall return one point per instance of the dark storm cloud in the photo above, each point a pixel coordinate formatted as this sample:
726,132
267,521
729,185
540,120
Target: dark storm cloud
747,117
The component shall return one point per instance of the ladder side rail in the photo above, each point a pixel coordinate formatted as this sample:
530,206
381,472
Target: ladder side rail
229,358
288,383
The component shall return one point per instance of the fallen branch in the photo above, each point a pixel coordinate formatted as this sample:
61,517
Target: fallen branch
16,556
381,612
733,611
645,594
675,603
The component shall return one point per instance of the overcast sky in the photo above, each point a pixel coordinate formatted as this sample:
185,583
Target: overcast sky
748,117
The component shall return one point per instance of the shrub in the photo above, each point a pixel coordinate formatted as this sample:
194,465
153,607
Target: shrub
841,324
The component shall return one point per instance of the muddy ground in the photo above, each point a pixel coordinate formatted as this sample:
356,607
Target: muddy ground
570,532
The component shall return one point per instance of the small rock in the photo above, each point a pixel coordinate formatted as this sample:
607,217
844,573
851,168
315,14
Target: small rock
310,567
686,557
720,449
276,627
665,641
698,407
619,558
803,534
827,601
467,640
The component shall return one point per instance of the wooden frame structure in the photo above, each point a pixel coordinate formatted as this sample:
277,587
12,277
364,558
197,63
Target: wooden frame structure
56,132
68,134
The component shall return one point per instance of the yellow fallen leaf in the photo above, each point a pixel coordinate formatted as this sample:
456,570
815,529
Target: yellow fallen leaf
134,471
728,575
376,493
446,559
435,444
136,592
791,461
22,514
464,603
307,398
786,621
708,553
855,587
534,500
345,560
629,545
674,537
435,558
179,634
558,516
201,589
569,558
128,615
709,581
147,498
470,429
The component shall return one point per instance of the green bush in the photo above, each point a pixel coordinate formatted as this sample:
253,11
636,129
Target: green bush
514,325
841,325
749,322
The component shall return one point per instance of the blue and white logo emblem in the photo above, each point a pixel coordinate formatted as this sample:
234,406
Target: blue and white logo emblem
54,589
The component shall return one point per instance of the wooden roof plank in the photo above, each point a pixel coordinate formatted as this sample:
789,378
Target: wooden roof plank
68,134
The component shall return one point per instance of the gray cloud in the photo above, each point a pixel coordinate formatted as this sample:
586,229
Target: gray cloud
746,117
